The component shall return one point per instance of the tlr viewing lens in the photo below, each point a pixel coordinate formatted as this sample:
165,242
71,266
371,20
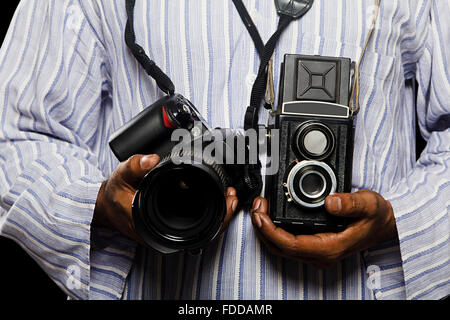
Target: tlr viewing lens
315,142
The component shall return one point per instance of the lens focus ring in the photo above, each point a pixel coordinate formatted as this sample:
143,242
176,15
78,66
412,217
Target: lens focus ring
181,207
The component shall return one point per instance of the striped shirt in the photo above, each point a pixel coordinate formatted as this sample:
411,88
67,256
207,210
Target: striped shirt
67,82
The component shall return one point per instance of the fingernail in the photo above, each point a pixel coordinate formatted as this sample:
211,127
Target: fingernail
234,205
256,205
231,192
334,204
148,162
257,220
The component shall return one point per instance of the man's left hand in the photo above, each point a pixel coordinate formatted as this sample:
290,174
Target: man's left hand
374,224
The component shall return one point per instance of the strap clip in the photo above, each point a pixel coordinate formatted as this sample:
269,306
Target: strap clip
293,8
251,118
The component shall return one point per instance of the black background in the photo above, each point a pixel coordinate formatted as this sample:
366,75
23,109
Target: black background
20,276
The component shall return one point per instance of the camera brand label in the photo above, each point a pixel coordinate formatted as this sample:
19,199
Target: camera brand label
226,309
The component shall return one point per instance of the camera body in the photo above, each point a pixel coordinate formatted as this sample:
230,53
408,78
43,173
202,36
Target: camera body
180,205
316,143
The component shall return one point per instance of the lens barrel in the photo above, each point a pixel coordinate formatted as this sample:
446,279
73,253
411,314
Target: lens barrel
314,140
181,207
310,182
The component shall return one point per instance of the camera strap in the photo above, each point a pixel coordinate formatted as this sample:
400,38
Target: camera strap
162,80
288,10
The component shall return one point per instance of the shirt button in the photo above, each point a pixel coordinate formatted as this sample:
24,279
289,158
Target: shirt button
250,79
379,295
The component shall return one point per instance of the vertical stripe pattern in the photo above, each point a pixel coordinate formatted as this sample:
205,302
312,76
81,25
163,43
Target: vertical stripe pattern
68,81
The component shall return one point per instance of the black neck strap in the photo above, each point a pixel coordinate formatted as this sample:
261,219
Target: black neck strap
259,87
162,80
251,27
289,10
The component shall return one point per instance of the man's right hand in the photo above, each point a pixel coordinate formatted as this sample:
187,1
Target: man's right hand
115,197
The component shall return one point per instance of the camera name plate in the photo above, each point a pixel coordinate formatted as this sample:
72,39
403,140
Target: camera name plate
315,109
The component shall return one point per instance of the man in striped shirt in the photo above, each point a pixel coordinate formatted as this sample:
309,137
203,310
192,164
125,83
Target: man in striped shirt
68,81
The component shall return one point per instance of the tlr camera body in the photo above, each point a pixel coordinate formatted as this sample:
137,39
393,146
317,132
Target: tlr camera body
316,143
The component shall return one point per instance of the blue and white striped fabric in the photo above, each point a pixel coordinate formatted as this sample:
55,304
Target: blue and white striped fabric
67,82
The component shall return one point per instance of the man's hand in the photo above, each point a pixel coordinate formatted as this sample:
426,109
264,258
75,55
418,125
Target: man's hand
115,197
375,223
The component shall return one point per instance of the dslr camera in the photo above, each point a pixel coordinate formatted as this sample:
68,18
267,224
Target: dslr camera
316,143
180,205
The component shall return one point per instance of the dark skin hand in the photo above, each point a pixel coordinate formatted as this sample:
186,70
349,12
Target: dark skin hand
115,197
374,224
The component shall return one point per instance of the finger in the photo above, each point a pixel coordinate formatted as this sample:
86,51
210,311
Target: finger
134,236
270,246
355,205
232,202
136,167
352,239
260,206
305,248
278,252
299,246
266,227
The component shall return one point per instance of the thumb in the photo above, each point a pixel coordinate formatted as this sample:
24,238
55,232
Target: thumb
136,167
353,205
259,209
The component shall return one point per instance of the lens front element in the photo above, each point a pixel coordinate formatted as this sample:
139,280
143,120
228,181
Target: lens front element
313,184
180,207
315,142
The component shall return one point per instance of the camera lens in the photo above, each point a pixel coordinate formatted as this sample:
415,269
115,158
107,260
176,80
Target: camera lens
314,141
180,207
178,203
310,182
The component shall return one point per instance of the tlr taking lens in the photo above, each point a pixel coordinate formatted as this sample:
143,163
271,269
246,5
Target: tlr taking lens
310,182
